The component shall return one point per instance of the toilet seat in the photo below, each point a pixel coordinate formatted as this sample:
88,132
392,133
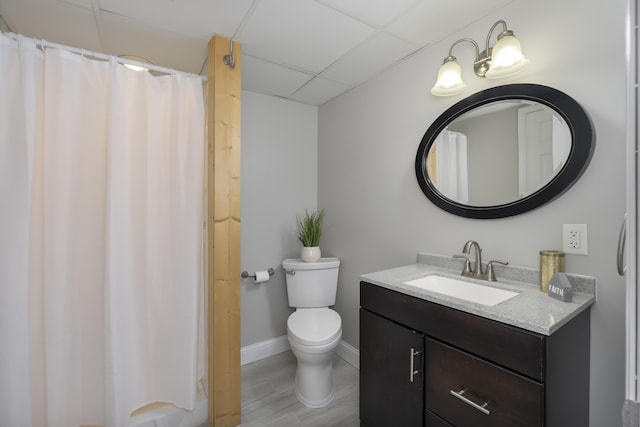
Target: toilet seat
314,326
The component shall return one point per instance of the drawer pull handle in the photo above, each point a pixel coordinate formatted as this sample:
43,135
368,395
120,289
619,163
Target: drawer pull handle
482,408
412,372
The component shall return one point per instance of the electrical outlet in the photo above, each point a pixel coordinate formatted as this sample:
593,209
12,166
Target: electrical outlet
574,239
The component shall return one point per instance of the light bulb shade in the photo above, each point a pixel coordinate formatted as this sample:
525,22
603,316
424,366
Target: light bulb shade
449,79
506,58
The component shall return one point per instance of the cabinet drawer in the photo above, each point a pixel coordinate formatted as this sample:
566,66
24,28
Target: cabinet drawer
468,391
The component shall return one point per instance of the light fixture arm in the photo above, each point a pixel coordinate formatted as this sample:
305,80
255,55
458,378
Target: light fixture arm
504,32
481,62
473,42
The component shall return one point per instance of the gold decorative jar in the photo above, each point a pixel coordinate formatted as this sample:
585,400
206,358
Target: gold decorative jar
551,262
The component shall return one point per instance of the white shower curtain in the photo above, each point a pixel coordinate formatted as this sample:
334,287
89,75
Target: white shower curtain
101,238
452,169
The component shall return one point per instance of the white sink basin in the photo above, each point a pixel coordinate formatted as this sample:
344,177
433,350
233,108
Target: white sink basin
462,289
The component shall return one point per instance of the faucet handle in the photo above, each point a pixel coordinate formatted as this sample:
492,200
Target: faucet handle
491,275
467,263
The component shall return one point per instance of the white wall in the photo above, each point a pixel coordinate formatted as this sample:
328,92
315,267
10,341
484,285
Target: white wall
380,219
279,179
3,25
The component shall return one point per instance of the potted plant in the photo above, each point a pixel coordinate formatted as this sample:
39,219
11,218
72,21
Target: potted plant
309,232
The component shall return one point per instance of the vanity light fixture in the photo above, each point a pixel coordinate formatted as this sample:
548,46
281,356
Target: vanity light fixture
503,59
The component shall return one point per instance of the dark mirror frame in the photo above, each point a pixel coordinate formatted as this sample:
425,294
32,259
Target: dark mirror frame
582,147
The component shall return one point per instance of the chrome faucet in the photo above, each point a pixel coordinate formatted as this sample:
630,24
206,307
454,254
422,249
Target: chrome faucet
476,271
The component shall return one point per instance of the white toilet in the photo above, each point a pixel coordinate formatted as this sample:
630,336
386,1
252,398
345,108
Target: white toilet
314,329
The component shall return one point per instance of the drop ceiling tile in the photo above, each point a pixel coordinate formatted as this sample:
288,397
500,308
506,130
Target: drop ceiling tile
82,3
368,59
318,91
375,12
271,79
54,21
433,20
200,18
302,33
124,36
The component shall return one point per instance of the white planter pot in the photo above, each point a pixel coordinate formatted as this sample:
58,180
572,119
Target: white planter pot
310,254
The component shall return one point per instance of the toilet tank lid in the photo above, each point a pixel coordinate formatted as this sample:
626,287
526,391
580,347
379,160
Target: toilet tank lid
322,263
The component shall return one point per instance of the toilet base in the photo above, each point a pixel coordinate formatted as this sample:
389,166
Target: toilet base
314,384
315,403
314,373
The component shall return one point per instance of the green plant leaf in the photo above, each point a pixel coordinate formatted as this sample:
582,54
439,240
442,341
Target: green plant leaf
309,227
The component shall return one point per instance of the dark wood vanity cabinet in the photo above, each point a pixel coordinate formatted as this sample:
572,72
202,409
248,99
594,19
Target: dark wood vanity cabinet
424,364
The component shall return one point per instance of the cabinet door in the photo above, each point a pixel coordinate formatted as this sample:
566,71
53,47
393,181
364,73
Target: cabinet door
391,373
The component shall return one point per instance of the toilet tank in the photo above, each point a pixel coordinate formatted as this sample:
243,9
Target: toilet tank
311,284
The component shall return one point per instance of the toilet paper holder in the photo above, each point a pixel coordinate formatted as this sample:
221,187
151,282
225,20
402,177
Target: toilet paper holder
245,274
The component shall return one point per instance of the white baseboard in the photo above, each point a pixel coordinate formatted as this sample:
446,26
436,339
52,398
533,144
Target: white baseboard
349,354
263,349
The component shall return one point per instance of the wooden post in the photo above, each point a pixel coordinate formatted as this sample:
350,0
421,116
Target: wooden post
223,225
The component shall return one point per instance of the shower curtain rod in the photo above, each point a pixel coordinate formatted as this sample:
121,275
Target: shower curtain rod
103,56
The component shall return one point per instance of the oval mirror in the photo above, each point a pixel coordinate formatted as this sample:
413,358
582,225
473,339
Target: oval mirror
504,151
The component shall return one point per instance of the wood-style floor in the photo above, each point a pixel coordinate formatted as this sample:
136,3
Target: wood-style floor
269,398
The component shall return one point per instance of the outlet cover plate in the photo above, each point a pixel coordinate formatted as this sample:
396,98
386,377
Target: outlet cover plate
574,239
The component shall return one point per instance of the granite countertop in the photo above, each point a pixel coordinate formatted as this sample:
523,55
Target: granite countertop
531,309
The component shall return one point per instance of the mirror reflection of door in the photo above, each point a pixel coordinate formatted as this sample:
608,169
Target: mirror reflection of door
543,147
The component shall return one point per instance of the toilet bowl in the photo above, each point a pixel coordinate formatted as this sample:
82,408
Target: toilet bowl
314,335
314,330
